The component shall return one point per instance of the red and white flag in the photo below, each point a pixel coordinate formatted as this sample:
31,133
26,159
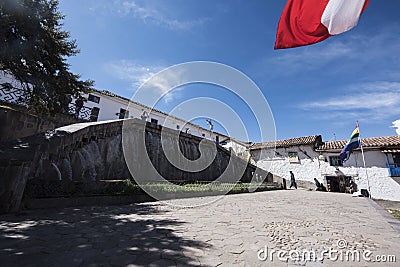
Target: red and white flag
305,22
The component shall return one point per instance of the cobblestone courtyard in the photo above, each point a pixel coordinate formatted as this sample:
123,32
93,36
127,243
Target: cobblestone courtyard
235,230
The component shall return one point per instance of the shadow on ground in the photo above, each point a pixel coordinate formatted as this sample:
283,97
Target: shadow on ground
96,236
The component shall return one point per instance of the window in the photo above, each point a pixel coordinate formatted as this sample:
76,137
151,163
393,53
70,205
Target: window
293,157
177,127
394,168
204,135
94,114
123,113
94,98
335,161
396,158
154,121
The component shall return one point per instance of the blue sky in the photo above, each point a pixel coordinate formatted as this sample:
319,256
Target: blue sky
318,89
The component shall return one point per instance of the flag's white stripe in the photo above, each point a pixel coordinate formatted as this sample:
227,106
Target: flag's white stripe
341,15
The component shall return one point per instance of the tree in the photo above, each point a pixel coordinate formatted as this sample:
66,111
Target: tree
34,49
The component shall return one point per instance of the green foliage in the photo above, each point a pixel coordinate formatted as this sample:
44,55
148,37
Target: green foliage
395,213
34,49
45,189
206,187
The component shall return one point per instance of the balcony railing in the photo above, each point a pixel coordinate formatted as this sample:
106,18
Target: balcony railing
84,113
394,170
10,94
18,96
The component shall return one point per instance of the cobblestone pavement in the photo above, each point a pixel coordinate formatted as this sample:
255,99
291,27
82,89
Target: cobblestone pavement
236,230
393,205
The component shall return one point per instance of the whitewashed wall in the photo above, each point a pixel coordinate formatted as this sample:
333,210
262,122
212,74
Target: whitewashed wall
109,107
7,78
237,148
381,185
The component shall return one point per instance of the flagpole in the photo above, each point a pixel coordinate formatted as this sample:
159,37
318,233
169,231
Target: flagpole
363,157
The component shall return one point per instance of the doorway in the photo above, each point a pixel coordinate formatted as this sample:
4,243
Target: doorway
339,184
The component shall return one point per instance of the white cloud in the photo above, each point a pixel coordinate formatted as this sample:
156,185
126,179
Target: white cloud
396,124
338,55
132,71
373,101
165,81
140,75
307,58
155,15
376,87
314,54
362,96
360,101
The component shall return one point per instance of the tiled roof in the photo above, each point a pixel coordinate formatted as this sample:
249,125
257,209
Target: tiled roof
372,142
383,142
111,94
391,151
306,140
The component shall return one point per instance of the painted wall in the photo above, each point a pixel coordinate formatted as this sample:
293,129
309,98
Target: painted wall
110,107
238,149
382,186
7,78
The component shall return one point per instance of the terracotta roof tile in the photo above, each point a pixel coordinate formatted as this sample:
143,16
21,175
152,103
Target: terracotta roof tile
379,142
305,140
383,142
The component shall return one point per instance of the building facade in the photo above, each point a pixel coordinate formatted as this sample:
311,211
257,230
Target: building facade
310,158
105,105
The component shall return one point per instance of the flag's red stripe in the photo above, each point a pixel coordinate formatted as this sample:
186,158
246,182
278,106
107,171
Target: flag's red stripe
300,24
365,6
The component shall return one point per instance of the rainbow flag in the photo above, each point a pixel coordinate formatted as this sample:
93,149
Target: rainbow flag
353,143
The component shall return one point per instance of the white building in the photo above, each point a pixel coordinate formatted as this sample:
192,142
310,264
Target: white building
105,105
308,157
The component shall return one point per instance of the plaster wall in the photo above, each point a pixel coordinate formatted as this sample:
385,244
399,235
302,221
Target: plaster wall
381,185
110,107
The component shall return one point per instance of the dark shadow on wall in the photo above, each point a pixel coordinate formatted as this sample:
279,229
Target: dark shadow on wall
96,236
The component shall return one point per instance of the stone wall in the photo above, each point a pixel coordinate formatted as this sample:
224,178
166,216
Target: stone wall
93,151
17,123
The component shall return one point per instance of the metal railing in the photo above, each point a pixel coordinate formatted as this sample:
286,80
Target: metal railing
84,113
394,170
10,94
21,97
